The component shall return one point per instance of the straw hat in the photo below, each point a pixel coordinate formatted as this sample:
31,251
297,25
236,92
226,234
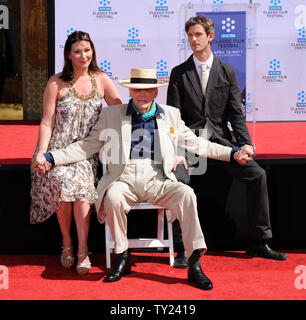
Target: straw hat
142,79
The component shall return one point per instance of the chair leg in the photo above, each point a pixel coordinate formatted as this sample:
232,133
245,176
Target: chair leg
170,238
108,239
160,224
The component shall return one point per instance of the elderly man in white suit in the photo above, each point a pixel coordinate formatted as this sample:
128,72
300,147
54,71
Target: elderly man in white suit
140,142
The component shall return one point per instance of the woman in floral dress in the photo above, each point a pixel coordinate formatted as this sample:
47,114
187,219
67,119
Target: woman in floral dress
71,106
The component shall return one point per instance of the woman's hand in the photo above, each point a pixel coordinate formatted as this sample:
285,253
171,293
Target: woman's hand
40,164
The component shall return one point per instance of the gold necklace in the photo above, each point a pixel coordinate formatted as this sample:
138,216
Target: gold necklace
83,96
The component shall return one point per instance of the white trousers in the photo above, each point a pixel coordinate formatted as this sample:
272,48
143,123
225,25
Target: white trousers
142,180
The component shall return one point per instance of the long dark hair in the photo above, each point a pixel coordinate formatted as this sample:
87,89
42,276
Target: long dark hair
67,73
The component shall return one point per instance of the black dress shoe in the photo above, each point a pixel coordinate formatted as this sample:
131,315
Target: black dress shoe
264,251
181,261
122,267
195,274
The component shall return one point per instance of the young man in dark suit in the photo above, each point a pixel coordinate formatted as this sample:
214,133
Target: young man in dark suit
207,93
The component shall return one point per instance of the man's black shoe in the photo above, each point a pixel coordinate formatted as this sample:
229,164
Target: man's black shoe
264,251
122,267
181,261
195,274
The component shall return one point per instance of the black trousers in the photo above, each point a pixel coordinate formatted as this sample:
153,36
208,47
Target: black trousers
211,191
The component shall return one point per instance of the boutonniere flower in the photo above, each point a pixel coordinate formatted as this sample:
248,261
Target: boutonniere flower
172,133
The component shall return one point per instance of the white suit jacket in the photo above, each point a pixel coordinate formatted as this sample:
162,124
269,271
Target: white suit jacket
112,136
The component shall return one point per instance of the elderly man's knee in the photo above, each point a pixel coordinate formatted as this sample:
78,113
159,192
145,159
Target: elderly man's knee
115,203
111,200
186,192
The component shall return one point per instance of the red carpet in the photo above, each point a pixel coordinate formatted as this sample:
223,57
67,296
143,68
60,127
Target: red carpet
17,143
273,140
40,277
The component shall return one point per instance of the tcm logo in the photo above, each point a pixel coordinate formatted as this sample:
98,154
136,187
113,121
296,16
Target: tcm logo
247,103
250,36
274,67
217,5
106,67
248,100
161,5
301,100
301,35
4,277
300,281
133,34
275,5
4,17
133,42
69,31
218,2
228,26
162,68
184,37
104,5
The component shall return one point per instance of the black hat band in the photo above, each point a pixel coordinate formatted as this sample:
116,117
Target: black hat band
143,80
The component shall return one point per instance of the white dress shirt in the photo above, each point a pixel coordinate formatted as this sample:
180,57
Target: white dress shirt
198,68
209,63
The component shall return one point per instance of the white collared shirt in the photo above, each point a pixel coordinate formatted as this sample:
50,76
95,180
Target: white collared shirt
209,63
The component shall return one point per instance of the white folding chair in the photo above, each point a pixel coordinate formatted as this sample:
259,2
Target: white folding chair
159,242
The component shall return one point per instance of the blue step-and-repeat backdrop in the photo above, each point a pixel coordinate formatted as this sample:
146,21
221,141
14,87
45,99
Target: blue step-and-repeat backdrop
265,42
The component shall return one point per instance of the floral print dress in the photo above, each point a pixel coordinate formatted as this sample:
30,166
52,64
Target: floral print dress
75,115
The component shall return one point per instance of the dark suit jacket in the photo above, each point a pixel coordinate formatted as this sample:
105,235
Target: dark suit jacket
221,104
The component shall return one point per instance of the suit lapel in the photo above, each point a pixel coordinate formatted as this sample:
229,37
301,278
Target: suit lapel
162,129
194,78
213,80
126,131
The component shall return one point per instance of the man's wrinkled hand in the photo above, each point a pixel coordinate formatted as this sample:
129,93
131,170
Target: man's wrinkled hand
180,159
242,157
248,150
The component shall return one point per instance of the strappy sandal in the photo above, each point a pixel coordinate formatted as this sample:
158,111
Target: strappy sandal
83,268
67,261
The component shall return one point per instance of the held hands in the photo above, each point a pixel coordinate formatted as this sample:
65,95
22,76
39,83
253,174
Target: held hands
40,164
242,157
248,149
